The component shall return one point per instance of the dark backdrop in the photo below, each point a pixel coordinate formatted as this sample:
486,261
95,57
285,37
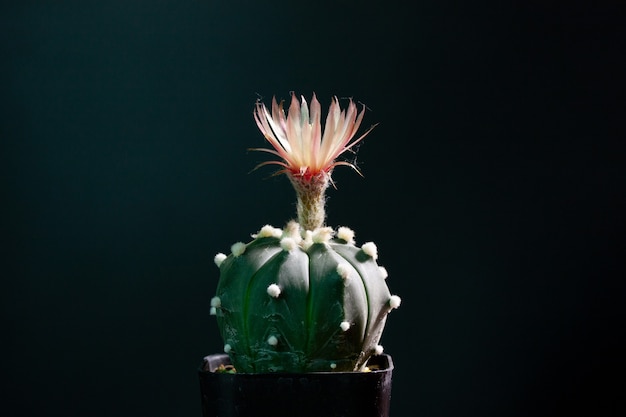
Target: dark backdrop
493,187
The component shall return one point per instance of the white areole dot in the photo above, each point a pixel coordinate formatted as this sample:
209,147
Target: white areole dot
344,325
307,241
370,249
219,258
238,248
322,234
273,290
347,234
227,348
378,349
383,271
269,231
272,340
216,302
213,311
395,301
288,244
292,230
343,269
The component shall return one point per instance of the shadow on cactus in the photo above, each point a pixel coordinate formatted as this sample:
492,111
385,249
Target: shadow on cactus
304,298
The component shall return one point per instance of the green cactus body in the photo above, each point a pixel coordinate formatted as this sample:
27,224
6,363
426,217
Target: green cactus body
286,304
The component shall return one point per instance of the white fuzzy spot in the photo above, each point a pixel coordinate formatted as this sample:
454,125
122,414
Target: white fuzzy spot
370,249
308,240
269,231
288,244
322,235
347,234
394,301
238,248
216,302
383,271
227,348
292,230
272,340
343,269
378,350
213,311
344,326
333,365
218,259
273,290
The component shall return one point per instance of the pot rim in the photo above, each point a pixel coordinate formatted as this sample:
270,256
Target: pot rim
211,362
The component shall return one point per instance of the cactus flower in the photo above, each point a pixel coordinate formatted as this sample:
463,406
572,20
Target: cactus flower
308,154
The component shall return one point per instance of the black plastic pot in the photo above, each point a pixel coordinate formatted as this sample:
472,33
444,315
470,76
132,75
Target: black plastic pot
316,394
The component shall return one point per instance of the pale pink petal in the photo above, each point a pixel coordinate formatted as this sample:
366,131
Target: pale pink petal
334,114
294,130
316,134
279,132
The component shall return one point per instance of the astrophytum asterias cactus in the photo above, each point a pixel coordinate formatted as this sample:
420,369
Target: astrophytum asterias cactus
305,297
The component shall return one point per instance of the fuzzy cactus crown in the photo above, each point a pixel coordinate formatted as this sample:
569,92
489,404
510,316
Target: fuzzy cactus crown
303,298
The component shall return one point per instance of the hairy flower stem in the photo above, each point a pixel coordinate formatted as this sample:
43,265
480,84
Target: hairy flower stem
311,199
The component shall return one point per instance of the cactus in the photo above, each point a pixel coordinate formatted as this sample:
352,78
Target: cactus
304,298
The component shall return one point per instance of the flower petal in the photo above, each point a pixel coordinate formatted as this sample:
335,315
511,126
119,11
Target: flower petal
298,138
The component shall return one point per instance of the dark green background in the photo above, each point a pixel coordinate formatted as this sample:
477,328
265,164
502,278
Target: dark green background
493,187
